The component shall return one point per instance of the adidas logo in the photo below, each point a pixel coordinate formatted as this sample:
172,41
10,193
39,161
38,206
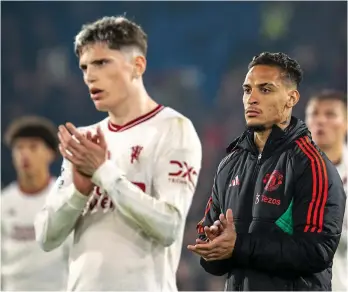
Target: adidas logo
234,182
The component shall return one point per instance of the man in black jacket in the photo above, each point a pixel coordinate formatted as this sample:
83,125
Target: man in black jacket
286,197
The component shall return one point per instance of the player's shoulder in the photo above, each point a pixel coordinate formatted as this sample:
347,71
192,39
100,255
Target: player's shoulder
172,119
9,191
304,150
177,129
308,157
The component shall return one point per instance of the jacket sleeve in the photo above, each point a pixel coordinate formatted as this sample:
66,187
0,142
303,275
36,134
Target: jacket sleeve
211,214
317,214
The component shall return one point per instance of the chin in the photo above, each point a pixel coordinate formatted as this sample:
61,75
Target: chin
321,141
101,107
256,127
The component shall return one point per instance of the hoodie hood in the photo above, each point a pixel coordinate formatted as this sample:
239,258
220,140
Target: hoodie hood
278,140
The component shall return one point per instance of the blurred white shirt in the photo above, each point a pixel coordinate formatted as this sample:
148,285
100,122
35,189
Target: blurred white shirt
24,265
340,262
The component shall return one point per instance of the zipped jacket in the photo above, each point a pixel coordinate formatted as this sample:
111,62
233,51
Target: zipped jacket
288,204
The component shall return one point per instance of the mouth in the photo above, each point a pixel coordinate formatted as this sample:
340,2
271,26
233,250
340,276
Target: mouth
25,165
252,113
320,133
95,93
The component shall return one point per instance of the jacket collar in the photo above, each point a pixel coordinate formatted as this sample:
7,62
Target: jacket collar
278,140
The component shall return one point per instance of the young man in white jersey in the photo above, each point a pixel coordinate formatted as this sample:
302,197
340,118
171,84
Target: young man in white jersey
326,117
24,266
128,181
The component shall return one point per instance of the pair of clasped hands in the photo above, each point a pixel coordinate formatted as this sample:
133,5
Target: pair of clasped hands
221,238
86,152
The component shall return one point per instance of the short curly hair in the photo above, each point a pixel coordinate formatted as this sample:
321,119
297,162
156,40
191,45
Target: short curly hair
290,67
116,31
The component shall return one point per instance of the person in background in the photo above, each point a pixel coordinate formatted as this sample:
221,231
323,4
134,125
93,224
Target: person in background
326,118
25,267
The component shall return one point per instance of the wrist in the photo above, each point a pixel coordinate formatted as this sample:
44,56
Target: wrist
106,175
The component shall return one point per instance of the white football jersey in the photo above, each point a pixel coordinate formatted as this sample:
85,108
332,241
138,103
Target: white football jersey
340,262
128,233
24,265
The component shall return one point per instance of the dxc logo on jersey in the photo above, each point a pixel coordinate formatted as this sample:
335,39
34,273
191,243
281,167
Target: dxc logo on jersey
135,153
183,174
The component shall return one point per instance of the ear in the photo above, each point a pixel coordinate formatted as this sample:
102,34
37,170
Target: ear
345,125
139,66
293,98
51,155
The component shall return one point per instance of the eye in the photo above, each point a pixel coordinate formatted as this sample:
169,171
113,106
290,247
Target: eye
83,68
247,90
331,114
101,62
265,90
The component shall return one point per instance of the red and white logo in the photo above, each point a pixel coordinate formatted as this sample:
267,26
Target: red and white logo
267,200
136,150
273,181
184,172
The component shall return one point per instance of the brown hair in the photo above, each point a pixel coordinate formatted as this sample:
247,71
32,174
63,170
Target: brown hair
116,32
32,127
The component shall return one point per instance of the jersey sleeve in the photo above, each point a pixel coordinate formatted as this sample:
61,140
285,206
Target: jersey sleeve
63,206
178,165
177,162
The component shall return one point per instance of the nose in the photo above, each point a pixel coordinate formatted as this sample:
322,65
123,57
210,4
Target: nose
253,98
24,157
24,154
89,76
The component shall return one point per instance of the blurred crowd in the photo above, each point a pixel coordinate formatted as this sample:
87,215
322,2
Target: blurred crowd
198,57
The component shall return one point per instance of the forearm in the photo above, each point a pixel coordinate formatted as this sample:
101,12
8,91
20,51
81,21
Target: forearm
280,252
155,217
56,220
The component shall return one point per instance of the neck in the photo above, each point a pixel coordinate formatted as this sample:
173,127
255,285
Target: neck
261,137
33,184
334,153
137,104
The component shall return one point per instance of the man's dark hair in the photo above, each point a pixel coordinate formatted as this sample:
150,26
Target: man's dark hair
331,94
290,67
32,127
116,32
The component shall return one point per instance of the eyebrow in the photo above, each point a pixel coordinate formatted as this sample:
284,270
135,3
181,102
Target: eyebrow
94,62
261,85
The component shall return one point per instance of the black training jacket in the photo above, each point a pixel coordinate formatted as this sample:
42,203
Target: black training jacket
288,205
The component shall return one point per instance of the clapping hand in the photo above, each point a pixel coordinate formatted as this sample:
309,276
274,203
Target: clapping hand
221,239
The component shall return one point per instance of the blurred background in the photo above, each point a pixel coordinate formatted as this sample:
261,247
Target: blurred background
197,61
